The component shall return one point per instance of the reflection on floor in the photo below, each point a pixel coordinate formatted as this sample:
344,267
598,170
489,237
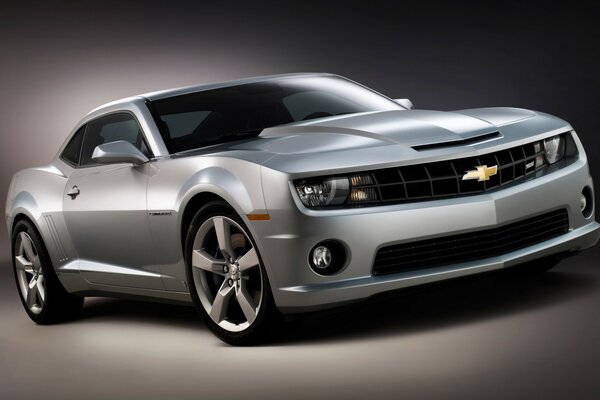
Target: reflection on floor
488,335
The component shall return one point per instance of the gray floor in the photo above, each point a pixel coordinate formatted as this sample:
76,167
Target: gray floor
488,336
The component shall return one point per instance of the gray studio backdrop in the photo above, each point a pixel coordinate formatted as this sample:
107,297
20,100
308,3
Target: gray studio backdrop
486,338
60,60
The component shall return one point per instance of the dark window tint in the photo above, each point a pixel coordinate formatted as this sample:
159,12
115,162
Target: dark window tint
73,150
237,112
112,128
183,124
315,104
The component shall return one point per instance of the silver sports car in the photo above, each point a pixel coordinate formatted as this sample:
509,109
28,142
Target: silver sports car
265,197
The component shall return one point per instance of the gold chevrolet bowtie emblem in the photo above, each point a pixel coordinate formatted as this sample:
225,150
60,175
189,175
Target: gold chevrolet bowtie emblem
482,173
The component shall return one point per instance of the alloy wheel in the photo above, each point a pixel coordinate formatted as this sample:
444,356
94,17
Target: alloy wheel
227,273
30,274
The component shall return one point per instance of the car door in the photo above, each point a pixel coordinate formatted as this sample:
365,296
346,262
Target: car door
105,210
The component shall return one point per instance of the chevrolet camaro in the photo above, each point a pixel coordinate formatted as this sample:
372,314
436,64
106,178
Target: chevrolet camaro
267,197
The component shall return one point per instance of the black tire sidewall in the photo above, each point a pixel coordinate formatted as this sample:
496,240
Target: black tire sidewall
268,316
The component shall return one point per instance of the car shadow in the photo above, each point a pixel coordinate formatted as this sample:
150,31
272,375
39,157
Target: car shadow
109,309
408,311
442,305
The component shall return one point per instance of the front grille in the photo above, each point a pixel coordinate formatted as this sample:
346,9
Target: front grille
443,179
470,246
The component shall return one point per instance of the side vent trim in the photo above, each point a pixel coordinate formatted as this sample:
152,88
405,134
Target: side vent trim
60,250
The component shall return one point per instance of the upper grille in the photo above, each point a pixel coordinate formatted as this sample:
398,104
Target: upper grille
444,178
470,246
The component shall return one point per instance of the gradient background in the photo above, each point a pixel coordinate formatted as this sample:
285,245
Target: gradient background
482,338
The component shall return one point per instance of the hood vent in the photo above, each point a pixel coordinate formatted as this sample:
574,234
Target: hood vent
460,142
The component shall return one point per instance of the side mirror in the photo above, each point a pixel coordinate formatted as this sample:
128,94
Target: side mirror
118,152
406,103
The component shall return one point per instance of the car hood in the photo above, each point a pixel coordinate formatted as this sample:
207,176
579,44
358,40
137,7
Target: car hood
341,143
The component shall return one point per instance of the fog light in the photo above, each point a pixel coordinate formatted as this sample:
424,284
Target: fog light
321,257
582,202
586,202
328,257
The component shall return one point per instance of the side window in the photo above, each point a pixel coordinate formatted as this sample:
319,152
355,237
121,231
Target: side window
121,126
72,152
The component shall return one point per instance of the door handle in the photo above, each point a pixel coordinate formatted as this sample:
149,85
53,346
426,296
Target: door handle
74,192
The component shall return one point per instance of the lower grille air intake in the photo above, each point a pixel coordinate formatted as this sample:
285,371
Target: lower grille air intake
470,246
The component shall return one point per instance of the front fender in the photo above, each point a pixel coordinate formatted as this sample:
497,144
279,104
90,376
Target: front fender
244,193
223,183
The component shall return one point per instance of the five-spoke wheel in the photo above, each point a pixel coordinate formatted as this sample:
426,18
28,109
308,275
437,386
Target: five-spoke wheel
30,275
227,280
44,298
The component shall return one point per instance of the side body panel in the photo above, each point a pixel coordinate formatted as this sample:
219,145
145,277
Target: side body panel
109,225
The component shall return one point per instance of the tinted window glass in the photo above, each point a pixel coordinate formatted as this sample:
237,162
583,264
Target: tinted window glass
73,150
183,124
111,128
236,112
315,104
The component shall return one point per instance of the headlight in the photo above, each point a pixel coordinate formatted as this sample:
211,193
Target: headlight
355,189
555,148
323,192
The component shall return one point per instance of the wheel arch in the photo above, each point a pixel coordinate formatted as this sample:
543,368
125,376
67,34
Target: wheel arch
39,214
20,217
23,207
200,198
190,209
217,183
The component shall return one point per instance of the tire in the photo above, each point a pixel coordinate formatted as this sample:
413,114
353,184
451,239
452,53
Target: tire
44,298
227,279
532,268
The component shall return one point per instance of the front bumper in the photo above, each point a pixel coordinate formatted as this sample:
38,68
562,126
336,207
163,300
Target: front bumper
286,240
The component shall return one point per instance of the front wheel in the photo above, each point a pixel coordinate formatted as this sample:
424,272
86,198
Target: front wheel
226,277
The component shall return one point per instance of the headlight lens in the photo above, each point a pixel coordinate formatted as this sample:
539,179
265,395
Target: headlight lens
555,148
355,189
323,192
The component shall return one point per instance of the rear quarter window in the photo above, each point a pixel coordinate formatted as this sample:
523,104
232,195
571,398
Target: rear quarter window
72,152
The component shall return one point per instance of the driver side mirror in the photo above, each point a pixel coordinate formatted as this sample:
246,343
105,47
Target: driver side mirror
406,103
118,152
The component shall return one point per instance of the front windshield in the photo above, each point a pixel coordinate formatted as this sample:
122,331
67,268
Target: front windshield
231,113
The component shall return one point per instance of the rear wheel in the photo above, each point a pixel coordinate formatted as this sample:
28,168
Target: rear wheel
227,279
43,296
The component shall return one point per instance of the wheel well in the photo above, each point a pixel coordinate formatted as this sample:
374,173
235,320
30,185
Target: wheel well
20,217
190,210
